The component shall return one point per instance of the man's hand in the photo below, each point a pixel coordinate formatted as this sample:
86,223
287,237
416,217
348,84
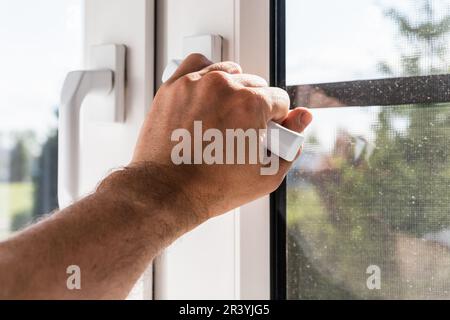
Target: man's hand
114,233
222,97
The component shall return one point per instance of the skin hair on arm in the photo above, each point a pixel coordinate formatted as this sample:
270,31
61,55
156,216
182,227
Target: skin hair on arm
115,232
111,239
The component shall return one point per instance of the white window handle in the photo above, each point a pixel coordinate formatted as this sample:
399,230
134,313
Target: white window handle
77,86
288,143
108,80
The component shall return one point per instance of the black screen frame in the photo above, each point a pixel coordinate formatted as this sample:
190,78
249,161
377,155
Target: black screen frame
278,227
362,93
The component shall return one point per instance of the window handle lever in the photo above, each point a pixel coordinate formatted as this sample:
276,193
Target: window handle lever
106,79
286,145
77,86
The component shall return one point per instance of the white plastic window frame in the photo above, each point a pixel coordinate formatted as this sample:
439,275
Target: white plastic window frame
229,256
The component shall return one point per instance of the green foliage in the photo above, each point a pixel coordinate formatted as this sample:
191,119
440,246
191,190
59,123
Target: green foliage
45,178
19,207
19,162
409,171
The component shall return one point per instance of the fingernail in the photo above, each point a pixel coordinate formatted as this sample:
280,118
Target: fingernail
301,121
304,119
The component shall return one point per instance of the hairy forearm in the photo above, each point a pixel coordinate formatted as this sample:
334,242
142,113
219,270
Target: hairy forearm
112,235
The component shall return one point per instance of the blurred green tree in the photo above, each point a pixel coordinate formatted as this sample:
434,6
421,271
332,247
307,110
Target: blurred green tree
45,177
406,179
19,162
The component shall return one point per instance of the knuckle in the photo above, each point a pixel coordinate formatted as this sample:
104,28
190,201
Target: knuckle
217,79
185,81
231,66
261,102
197,57
249,103
283,96
257,80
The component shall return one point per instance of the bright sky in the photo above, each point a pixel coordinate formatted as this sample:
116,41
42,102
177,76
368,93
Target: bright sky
41,42
330,40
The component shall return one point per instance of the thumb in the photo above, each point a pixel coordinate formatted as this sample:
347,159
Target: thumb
297,120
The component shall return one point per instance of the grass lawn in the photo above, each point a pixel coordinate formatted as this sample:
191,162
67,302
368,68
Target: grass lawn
15,199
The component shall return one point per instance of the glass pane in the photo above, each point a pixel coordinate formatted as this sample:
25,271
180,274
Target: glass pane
330,41
41,42
368,207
